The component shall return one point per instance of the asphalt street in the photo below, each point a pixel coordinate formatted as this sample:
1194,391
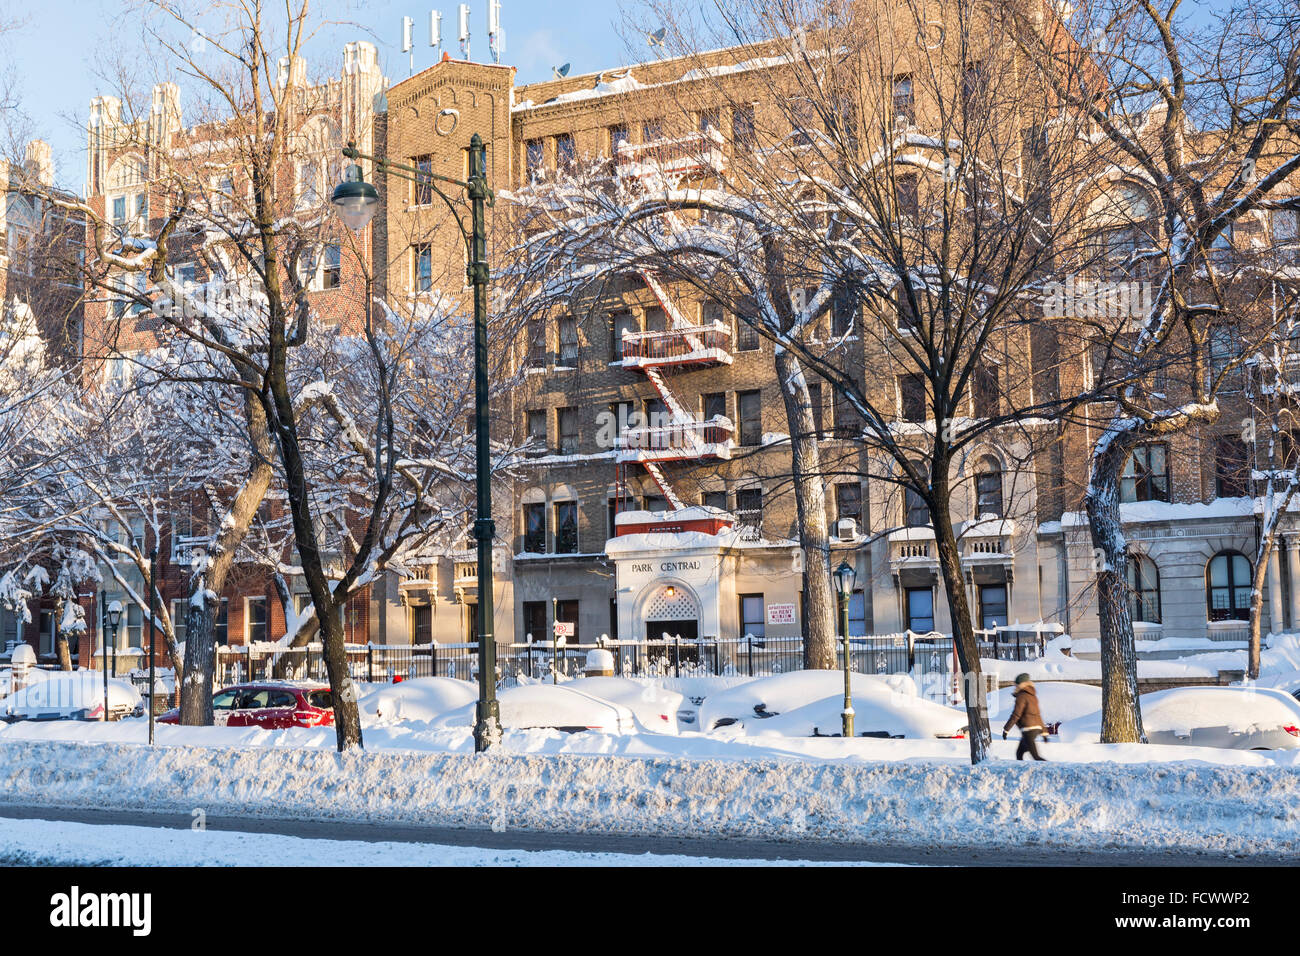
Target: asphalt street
1022,854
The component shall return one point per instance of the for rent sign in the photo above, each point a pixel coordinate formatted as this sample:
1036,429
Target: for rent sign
780,614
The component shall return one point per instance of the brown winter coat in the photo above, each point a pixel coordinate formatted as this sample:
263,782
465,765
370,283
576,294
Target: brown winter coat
1025,715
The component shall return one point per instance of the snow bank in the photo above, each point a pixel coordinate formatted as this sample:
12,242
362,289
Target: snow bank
1253,807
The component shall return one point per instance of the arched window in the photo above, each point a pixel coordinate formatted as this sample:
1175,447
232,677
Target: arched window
916,511
988,488
1227,587
1143,589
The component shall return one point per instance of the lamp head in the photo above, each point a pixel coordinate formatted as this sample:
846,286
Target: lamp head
114,613
845,579
355,200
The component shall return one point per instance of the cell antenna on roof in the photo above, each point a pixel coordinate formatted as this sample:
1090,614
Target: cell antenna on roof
464,30
408,45
560,72
435,32
496,36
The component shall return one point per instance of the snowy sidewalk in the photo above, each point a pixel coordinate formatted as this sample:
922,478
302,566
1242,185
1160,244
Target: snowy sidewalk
1188,806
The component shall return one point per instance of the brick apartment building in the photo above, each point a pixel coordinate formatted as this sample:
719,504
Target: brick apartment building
692,530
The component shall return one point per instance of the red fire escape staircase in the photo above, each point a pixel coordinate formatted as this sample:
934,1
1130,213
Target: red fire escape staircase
684,345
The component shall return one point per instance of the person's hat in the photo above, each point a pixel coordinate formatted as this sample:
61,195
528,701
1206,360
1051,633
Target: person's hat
1022,679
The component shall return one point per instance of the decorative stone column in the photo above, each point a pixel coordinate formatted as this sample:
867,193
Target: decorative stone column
1293,569
1277,613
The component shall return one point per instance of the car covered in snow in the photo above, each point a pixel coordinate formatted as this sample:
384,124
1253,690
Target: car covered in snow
273,705
655,707
417,698
1231,718
72,695
809,703
555,706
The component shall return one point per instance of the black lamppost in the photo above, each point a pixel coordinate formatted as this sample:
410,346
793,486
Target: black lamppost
357,201
845,578
113,616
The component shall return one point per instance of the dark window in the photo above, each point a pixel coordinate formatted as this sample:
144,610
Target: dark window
535,528
844,310
535,620
281,698
566,527
422,188
988,488
422,267
656,320
621,322
920,610
1143,578
749,410
537,426
221,627
323,699
904,106
911,397
715,405
742,128
1231,467
566,154
815,400
1227,588
918,512
617,137
715,499
984,390
803,120
848,503
708,118
907,197
536,343
332,268
652,130
568,340
654,503
566,421
972,85
422,624
749,509
746,334
567,612
1146,474
753,621
993,606
535,153
848,420
255,626
616,507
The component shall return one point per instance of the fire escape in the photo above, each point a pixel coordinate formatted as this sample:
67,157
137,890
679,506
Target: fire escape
683,345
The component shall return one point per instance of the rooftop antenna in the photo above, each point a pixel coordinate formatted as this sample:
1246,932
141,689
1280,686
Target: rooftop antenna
464,30
435,33
496,36
560,72
408,25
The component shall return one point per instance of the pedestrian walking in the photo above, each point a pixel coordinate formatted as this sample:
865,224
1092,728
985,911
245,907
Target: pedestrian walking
1027,717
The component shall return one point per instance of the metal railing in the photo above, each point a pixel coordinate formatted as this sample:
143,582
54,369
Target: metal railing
685,343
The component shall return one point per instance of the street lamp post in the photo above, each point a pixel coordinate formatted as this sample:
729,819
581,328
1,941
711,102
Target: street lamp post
357,202
845,578
113,614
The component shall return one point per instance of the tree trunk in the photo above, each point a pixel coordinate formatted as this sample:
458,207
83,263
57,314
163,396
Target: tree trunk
1121,715
61,636
963,628
810,502
1257,607
200,649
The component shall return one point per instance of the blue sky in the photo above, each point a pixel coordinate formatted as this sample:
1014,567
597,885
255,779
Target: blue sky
59,42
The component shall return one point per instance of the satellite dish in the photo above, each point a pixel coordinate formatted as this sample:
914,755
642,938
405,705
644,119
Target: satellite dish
656,38
560,72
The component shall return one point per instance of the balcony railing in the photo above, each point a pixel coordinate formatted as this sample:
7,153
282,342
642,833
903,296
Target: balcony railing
695,343
711,439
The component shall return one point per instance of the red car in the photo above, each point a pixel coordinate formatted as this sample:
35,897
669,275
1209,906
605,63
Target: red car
270,704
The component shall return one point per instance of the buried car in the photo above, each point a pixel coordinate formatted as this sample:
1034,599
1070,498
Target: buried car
655,707
1231,718
417,698
553,706
1058,701
72,695
809,703
273,705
